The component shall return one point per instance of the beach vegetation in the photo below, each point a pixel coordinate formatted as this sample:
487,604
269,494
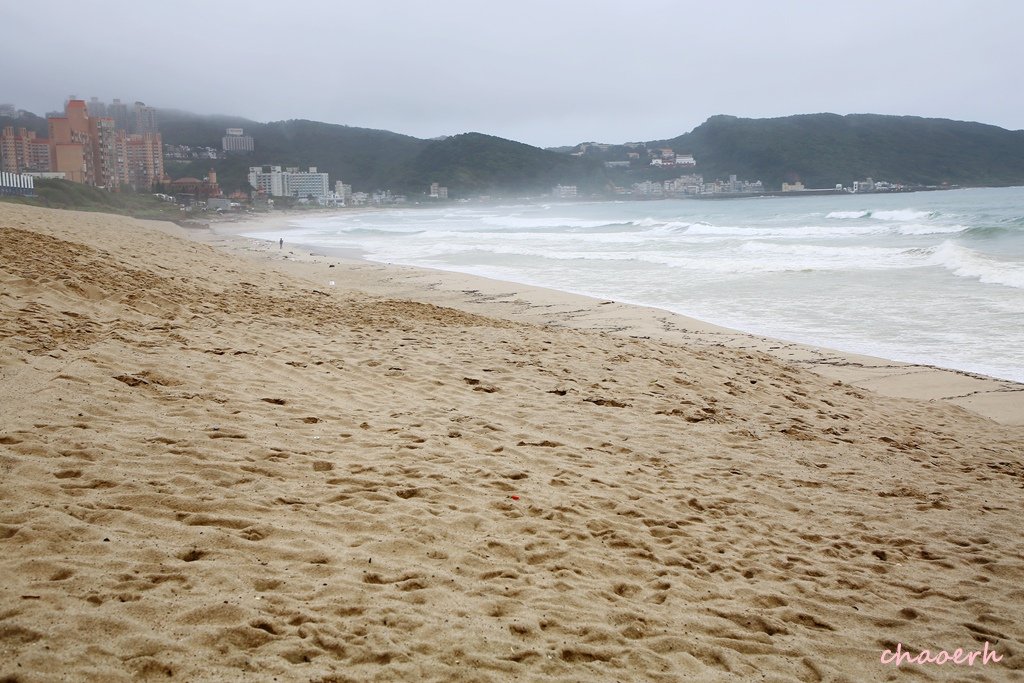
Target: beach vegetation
64,194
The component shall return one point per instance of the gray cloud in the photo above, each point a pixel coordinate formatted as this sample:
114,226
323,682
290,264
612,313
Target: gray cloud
546,73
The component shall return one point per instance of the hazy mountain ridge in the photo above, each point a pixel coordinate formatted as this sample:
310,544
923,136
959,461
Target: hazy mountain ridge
29,121
474,163
821,150
370,159
364,157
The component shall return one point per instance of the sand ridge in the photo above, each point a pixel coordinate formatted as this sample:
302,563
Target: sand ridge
213,470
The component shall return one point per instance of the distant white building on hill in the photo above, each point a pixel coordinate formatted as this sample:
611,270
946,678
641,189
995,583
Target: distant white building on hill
235,140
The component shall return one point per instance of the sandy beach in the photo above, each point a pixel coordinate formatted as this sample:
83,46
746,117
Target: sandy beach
221,460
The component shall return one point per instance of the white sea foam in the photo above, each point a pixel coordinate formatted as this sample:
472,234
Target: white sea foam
812,256
921,229
553,222
902,215
965,262
787,232
883,215
430,252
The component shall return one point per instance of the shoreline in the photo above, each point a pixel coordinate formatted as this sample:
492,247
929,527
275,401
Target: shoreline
999,399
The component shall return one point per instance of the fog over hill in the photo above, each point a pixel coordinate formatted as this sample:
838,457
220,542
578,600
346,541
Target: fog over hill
820,150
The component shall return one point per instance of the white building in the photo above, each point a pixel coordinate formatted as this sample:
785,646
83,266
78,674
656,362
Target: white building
343,191
270,183
302,184
564,191
290,182
235,140
648,188
685,184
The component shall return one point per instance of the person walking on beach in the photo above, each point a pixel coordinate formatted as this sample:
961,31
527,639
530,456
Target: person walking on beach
280,243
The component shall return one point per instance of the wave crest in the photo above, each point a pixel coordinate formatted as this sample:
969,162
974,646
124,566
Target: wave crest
965,262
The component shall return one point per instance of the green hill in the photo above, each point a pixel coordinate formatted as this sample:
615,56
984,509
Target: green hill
474,163
367,159
822,150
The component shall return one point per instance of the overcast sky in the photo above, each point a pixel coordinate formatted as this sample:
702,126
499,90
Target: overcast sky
543,72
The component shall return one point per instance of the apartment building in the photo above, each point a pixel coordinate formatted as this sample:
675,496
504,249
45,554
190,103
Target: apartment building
269,183
302,184
106,167
71,150
118,111
145,119
289,183
94,150
235,140
143,159
22,152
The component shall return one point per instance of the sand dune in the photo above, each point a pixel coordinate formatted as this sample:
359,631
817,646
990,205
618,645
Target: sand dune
213,469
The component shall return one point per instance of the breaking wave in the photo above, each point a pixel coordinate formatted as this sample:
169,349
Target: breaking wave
887,215
965,262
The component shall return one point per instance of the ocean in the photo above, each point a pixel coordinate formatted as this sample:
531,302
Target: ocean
929,277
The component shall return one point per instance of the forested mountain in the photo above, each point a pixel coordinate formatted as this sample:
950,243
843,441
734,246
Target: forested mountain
366,158
473,163
468,164
822,150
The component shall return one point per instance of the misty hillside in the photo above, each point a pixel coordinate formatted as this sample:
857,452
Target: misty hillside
29,121
474,163
366,158
822,150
